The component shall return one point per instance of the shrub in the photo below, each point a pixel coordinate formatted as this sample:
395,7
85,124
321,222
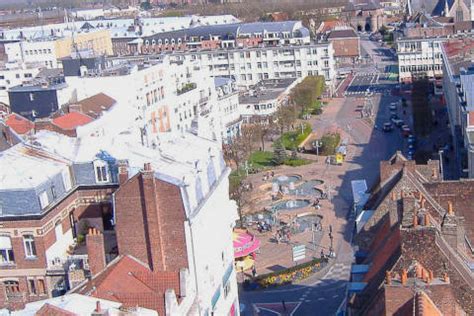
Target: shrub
329,143
279,153
290,275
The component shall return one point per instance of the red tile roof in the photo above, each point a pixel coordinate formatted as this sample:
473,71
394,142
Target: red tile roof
471,118
72,120
51,310
132,283
19,124
94,105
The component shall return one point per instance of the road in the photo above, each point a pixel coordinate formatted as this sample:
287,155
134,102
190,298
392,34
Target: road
368,146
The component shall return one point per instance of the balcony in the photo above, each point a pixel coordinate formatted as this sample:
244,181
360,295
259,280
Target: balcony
186,88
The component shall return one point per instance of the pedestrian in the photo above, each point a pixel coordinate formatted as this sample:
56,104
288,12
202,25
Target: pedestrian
283,305
254,271
322,253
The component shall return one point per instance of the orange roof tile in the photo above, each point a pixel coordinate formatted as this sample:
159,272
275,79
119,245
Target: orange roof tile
132,283
72,120
19,124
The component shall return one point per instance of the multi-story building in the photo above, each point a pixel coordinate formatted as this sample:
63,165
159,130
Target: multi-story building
419,58
227,113
47,50
248,66
224,36
14,74
458,90
121,31
46,214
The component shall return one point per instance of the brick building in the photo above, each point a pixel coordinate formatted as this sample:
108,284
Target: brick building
159,220
346,45
415,249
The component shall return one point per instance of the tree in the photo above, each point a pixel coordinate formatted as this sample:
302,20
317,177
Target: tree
294,153
241,146
285,117
305,95
262,128
145,5
279,153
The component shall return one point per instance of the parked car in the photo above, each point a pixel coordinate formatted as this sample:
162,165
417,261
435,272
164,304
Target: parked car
387,127
393,116
393,107
398,122
406,130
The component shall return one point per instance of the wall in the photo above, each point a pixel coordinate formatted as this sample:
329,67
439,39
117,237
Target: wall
99,41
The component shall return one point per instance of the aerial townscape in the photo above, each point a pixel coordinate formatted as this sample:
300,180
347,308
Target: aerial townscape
237,157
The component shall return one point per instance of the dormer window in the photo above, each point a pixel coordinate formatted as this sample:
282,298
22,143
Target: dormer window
101,171
44,200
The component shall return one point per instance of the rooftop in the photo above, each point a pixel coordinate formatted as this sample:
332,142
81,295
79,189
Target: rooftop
266,91
132,283
93,106
347,33
19,124
459,54
71,120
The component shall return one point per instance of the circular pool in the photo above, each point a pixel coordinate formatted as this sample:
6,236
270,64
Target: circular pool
290,205
284,179
308,188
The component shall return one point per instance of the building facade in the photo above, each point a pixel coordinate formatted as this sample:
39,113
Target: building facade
249,66
419,58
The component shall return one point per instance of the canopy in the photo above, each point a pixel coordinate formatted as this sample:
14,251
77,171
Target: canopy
244,244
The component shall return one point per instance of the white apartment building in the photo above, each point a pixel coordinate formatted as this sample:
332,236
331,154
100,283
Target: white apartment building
248,66
227,112
14,74
164,96
32,52
419,57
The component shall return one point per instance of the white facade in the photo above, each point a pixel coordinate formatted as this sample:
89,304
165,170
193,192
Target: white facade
14,74
251,65
228,112
419,57
33,52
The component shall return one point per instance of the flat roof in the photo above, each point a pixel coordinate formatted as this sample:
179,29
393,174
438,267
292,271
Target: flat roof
266,91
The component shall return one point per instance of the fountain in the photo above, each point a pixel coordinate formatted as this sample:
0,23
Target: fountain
290,205
283,179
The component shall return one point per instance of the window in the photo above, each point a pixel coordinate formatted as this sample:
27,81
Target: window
227,289
12,288
6,250
28,75
32,287
101,174
41,286
30,248
44,200
17,76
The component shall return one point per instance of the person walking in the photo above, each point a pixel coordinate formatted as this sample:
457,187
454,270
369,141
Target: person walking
254,271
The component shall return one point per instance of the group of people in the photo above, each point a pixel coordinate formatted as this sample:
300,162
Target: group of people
264,227
269,175
283,235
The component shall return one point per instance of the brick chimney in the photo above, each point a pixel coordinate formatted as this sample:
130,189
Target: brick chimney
450,208
446,278
427,219
388,278
123,171
95,251
98,311
404,277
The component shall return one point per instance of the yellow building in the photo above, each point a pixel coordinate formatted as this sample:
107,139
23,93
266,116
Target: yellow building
99,41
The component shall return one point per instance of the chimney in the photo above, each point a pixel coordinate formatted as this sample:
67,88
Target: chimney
446,278
415,221
427,219
98,311
404,277
95,251
394,196
388,278
431,275
419,271
450,208
147,166
423,201
123,171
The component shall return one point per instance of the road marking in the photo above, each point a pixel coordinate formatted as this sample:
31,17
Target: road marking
335,296
321,299
307,301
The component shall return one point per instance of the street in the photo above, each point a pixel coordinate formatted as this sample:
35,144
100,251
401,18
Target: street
367,147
